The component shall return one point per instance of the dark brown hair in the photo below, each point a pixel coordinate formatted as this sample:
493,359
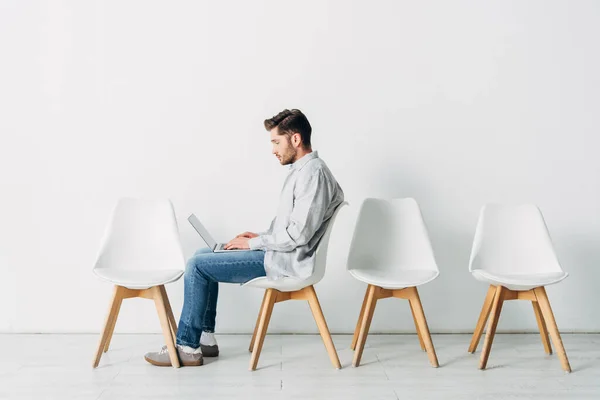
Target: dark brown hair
290,122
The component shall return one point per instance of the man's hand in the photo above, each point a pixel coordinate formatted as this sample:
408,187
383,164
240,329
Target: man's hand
239,242
248,235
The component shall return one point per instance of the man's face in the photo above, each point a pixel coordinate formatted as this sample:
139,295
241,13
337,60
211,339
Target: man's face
283,148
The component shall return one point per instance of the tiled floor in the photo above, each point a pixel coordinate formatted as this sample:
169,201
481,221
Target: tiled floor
297,367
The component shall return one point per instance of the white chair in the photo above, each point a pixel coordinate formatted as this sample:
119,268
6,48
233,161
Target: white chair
391,252
294,289
141,253
512,252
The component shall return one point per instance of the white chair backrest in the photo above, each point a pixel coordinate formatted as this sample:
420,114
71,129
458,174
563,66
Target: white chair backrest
513,240
391,235
142,235
323,246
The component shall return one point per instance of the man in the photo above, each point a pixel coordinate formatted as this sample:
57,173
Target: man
308,200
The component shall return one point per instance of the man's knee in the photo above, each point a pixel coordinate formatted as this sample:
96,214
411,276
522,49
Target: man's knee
189,267
196,264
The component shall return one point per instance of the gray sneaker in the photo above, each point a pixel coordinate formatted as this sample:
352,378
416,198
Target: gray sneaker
210,351
161,358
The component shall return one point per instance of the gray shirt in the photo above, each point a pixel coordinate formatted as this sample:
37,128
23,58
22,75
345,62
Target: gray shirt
308,200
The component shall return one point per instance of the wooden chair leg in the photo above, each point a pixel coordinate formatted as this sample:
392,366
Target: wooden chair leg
111,318
265,317
412,310
113,322
542,326
360,317
262,305
317,313
485,313
548,315
492,324
165,325
365,324
415,303
171,318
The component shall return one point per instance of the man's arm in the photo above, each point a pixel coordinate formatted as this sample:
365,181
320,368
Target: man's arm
268,231
307,216
251,235
241,240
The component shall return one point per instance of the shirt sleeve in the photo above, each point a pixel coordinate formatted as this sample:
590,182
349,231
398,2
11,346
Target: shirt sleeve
268,231
310,206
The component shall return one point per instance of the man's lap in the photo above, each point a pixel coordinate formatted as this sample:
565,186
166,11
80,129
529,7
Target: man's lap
231,267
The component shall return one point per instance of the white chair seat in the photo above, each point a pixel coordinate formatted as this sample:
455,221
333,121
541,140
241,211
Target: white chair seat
513,253
283,285
519,282
141,253
140,279
390,278
301,289
391,249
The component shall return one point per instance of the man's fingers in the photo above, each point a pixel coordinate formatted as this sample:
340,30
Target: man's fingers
230,245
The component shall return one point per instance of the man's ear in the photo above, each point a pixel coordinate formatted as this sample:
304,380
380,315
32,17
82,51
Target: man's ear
296,139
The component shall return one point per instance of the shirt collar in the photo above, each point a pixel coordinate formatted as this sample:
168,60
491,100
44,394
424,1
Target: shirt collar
302,162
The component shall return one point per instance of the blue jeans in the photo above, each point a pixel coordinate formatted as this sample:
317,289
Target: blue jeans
202,275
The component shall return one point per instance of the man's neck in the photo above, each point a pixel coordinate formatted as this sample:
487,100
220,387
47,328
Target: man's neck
302,153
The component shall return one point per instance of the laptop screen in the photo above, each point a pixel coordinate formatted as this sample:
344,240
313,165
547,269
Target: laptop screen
202,231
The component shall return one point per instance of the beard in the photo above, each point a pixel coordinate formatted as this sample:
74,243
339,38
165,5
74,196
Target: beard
288,158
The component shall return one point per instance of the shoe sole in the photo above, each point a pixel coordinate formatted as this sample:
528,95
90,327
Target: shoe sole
209,351
183,364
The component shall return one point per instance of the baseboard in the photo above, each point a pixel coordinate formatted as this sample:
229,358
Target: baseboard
450,332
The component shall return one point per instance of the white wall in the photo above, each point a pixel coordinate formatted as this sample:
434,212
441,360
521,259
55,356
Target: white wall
454,103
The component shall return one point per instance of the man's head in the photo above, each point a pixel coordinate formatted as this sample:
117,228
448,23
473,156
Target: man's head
290,135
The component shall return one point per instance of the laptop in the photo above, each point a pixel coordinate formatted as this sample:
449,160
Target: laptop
207,237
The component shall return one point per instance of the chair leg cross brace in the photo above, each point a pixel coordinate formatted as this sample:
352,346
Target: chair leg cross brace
491,309
273,296
375,293
163,308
